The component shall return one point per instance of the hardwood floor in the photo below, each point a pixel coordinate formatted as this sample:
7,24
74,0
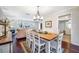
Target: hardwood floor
74,48
22,45
66,45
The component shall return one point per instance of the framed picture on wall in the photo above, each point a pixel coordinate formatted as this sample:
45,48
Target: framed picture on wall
48,24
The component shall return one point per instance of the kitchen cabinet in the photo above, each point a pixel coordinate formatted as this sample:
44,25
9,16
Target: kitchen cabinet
6,48
6,45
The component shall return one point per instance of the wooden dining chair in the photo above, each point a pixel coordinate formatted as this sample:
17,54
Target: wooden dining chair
56,46
39,44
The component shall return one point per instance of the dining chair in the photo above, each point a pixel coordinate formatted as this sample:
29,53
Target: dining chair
56,46
14,40
32,41
29,40
39,44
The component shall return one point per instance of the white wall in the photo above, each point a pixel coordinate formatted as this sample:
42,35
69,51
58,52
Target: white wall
1,15
75,26
54,19
61,13
54,24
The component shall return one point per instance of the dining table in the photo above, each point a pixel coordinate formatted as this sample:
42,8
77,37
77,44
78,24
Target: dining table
47,37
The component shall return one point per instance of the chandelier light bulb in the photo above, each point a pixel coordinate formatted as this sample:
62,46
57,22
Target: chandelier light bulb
37,16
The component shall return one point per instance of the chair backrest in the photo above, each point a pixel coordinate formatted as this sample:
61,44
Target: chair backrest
37,38
29,38
60,38
27,35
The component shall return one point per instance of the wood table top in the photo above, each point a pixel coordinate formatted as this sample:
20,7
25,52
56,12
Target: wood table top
48,37
7,39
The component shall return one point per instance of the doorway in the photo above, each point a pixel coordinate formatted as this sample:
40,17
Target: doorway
65,27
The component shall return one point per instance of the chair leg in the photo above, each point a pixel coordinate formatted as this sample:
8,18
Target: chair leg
33,48
38,49
28,43
59,50
48,47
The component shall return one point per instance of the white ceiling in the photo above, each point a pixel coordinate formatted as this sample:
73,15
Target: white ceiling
29,11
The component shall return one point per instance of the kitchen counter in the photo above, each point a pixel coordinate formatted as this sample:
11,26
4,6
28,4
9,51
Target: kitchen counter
21,33
7,39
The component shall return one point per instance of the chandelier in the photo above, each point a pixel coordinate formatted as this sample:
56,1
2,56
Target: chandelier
37,17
